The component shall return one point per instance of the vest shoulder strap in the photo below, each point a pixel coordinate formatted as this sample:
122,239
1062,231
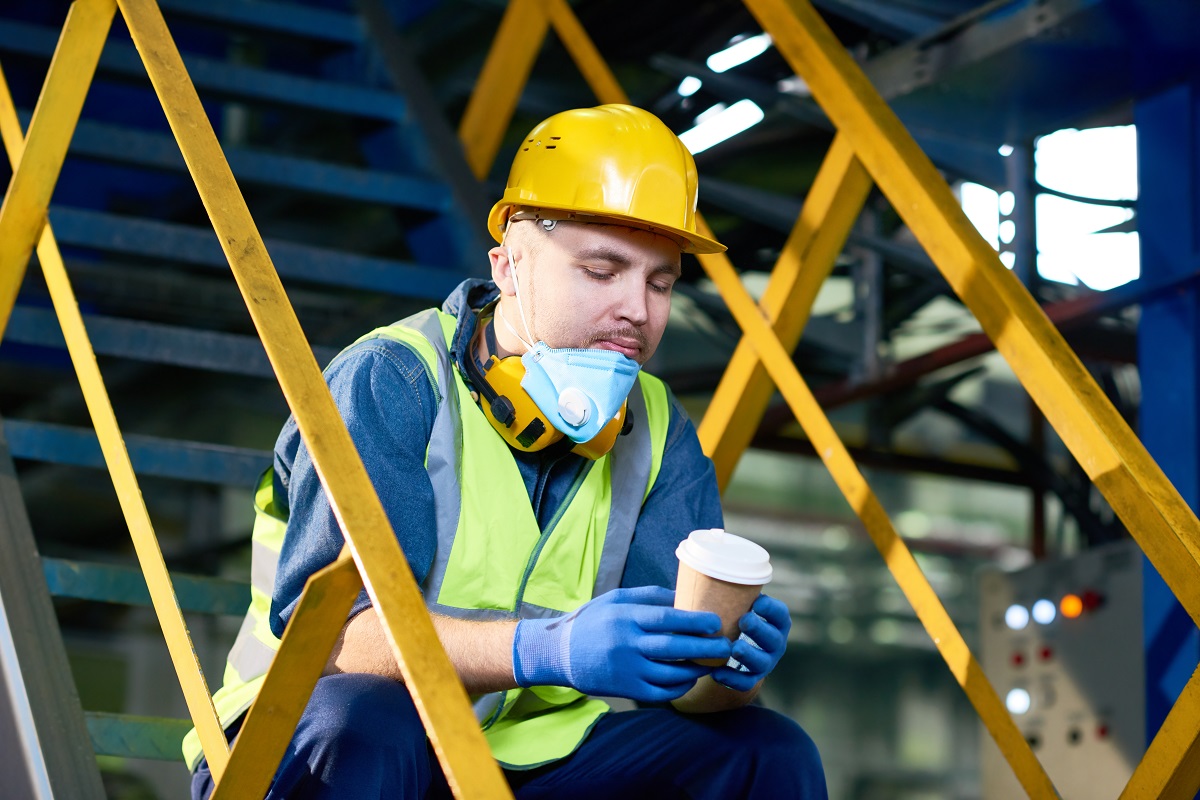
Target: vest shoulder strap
658,418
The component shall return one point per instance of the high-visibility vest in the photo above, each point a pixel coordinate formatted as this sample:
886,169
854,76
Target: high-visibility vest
492,561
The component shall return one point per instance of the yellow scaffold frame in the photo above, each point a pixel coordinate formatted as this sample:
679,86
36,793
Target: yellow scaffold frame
872,146
371,551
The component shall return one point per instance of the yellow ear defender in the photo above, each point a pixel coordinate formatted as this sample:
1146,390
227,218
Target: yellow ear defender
517,418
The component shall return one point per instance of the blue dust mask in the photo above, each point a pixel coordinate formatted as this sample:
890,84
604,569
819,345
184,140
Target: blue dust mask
578,390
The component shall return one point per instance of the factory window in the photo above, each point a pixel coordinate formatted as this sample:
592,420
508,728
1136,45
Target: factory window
1094,243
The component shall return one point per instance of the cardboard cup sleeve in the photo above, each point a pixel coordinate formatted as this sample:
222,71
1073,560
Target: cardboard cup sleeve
722,573
695,591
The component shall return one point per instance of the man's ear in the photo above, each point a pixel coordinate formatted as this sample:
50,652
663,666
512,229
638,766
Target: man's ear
502,270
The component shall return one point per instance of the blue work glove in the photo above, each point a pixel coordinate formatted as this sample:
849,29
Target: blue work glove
761,645
625,643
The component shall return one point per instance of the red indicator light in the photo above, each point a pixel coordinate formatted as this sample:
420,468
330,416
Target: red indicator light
1046,654
1018,659
1071,606
1092,600
1101,731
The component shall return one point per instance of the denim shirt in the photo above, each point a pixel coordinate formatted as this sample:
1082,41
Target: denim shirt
387,401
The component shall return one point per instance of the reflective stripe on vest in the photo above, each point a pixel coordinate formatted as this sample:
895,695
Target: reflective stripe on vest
255,646
492,560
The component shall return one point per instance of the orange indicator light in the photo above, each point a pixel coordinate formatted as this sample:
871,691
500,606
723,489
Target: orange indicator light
1071,606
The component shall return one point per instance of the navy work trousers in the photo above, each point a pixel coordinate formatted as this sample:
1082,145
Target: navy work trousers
360,737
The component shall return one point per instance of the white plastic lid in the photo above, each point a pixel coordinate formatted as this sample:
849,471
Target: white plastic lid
726,557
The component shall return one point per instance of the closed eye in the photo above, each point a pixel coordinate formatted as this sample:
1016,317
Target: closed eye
662,279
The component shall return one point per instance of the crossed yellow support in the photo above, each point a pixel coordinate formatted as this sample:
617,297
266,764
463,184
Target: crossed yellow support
372,556
871,147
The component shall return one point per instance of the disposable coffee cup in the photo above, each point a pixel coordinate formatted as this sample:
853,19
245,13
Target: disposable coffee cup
723,573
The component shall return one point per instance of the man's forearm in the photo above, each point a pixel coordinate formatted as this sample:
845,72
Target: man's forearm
481,652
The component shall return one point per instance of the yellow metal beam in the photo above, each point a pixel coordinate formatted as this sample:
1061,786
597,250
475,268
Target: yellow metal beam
437,693
112,445
1095,433
833,204
1097,436
1170,768
896,554
28,197
583,51
311,632
504,74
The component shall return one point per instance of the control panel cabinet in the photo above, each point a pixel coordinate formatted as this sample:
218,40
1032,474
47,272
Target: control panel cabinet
1062,645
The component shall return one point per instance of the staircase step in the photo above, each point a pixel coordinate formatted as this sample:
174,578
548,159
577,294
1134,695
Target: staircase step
232,80
141,148
227,353
129,736
262,15
126,585
199,247
151,455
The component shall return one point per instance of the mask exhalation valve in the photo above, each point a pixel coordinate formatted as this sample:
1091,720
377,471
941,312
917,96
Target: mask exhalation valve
574,407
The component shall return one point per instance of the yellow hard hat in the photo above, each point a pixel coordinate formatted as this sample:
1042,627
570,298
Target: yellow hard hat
616,163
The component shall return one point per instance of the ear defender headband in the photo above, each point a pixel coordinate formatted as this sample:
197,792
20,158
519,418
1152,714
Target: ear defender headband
514,415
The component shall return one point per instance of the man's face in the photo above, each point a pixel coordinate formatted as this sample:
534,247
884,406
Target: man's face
588,285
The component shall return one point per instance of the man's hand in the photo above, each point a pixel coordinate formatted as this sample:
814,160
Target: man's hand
626,643
766,625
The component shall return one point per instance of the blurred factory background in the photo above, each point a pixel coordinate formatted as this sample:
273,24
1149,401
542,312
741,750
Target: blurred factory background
1068,128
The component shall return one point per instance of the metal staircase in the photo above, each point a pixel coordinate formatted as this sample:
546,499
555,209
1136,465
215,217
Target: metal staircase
368,211
362,198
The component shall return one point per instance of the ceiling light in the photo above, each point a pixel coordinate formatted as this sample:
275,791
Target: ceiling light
795,85
709,113
739,53
689,86
714,129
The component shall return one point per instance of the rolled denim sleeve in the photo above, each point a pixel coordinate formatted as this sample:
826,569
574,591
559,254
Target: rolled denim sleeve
384,395
684,498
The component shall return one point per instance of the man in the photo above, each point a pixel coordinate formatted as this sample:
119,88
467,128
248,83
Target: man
539,484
